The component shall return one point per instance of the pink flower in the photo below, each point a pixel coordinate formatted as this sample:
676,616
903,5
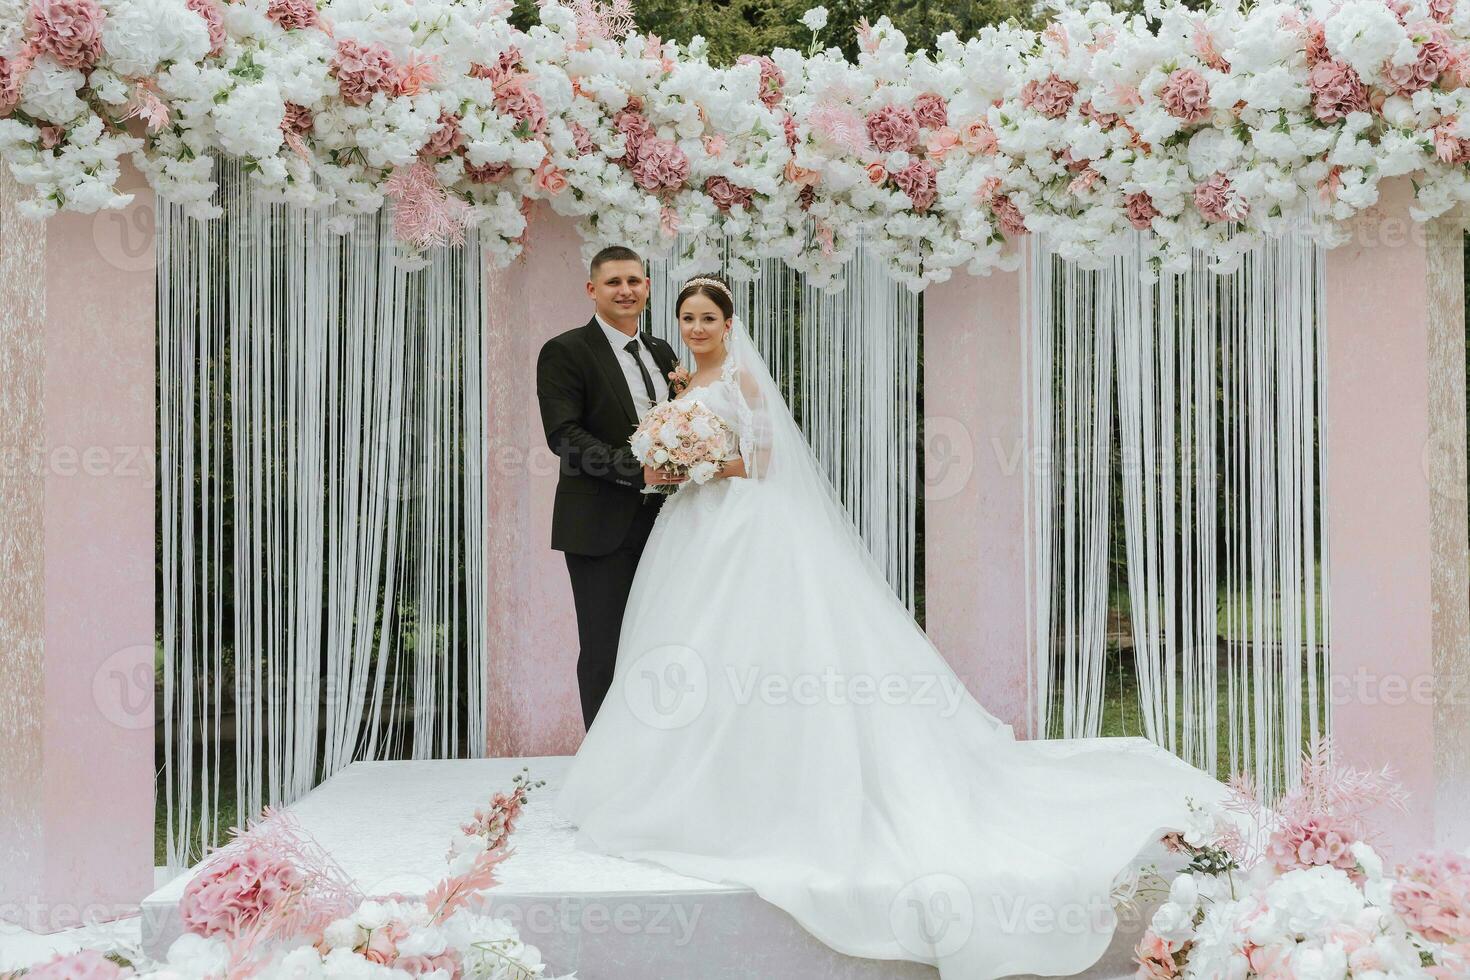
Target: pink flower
661,165
515,100
1141,213
292,15
1217,199
550,178
1316,42
877,173
87,964
1432,893
893,127
931,110
1052,96
800,175
582,140
1186,95
235,892
1204,47
1336,90
362,70
1448,147
487,173
727,195
380,947
1012,222
789,126
714,145
1312,842
213,20
917,180
1106,120
772,78
635,128
1273,962
444,140
1441,10
1155,958
668,222
941,141
51,137
806,197
68,30
1433,60
10,78
978,137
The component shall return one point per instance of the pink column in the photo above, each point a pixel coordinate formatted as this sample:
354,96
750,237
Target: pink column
76,562
534,708
975,487
1395,511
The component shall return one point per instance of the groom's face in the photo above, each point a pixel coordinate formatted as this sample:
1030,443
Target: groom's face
619,289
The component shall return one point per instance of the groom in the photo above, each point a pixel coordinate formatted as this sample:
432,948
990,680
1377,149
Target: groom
595,382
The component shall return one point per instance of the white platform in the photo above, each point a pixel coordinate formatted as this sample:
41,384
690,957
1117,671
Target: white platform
389,823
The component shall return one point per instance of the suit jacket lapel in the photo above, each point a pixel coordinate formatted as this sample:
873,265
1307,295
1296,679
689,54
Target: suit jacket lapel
607,361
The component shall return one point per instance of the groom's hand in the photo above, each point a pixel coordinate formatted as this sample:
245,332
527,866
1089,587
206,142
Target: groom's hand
653,476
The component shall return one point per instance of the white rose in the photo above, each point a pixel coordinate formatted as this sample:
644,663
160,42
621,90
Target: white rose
372,914
1172,922
702,472
1184,892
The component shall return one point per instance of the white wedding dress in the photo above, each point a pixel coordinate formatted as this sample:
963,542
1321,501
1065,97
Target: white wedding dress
777,719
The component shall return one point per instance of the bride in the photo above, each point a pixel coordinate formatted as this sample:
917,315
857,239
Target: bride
778,720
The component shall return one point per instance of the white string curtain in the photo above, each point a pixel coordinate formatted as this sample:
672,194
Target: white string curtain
848,364
1196,396
321,506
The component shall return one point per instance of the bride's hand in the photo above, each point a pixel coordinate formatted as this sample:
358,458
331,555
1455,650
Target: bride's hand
732,467
653,476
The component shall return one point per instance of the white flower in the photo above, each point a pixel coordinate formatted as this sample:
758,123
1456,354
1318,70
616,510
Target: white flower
815,19
668,434
372,914
1328,962
702,472
196,956
1365,34
1172,922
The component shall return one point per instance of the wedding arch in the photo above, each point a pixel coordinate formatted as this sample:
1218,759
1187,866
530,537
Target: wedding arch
1092,181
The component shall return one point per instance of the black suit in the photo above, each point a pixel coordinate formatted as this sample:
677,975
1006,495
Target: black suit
600,519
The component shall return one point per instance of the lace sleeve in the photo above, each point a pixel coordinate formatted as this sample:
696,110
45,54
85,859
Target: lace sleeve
753,422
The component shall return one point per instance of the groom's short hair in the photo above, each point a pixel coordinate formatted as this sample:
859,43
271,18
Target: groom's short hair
613,253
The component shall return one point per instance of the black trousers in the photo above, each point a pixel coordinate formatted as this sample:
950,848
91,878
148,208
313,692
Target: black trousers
600,586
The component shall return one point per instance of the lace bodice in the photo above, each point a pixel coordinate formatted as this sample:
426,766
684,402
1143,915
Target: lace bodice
723,397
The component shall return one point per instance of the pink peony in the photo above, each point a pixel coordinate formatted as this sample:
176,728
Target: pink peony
979,138
772,78
212,20
292,15
515,100
1217,199
1434,59
1336,90
661,165
446,139
68,30
1312,842
1186,95
635,128
931,110
940,142
1012,222
1052,96
727,195
232,894
917,180
487,173
86,964
550,178
1141,213
1432,894
362,70
893,127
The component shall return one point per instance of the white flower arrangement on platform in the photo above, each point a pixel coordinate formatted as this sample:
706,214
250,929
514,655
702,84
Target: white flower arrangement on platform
1209,129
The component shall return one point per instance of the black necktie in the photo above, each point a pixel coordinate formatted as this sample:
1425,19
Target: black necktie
632,348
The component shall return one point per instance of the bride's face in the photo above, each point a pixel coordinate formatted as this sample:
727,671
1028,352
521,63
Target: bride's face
702,325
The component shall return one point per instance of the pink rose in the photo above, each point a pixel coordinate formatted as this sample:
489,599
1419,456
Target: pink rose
661,165
51,137
877,173
917,180
893,127
1140,210
362,70
1186,95
979,138
801,175
635,129
213,20
550,178
292,15
772,78
1336,90
487,173
1217,199
68,30
1012,222
87,964
446,139
941,141
931,110
1052,96
380,947
714,145
727,195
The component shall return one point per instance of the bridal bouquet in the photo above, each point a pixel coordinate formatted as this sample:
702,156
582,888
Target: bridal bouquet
684,437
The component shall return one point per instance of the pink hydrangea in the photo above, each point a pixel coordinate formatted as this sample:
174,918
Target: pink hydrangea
1316,42
772,78
1186,95
10,77
1310,843
661,165
513,98
213,20
893,127
1441,10
1051,96
233,893
931,110
1217,199
292,15
727,195
582,139
1432,893
1107,120
635,129
1140,210
1012,222
1336,90
487,173
297,121
1433,59
68,30
363,70
446,139
86,964
919,181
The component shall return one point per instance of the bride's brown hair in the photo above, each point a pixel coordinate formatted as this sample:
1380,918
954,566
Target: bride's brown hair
708,288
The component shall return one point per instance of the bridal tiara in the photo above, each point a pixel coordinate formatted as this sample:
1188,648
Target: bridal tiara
707,281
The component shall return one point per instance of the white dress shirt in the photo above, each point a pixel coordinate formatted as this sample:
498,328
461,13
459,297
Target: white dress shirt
619,340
